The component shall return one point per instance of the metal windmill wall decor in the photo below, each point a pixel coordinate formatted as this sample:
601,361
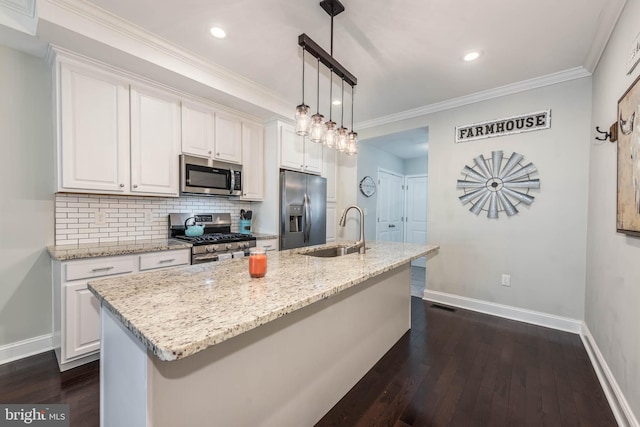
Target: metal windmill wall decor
495,188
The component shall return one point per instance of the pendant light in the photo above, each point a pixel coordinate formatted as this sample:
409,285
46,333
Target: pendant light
302,111
341,140
326,132
317,120
330,126
352,137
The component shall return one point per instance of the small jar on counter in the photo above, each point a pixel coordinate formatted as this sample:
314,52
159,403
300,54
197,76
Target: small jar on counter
257,262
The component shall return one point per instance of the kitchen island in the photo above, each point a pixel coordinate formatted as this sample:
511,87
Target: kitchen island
208,345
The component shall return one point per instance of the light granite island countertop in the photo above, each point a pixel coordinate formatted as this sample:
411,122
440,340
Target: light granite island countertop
160,328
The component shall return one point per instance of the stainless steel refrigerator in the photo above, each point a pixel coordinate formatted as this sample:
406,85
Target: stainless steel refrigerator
303,210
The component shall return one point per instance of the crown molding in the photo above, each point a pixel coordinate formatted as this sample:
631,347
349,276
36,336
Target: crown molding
538,82
607,21
104,27
19,15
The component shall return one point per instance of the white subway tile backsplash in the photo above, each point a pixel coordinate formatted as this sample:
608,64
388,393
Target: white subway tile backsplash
126,217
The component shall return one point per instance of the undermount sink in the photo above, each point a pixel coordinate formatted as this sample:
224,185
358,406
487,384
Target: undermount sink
332,252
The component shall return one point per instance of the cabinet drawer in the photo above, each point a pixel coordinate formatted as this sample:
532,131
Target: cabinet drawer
164,259
98,267
268,245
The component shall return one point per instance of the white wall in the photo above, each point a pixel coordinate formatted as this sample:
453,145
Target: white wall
543,247
26,197
612,310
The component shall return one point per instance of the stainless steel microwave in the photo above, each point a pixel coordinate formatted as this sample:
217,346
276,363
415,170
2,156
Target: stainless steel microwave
209,177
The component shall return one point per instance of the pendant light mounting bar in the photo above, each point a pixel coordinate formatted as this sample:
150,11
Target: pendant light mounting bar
320,54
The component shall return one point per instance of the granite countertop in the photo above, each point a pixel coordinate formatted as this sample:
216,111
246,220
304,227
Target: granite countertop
178,312
92,250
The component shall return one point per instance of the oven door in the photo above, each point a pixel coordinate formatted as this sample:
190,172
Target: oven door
204,176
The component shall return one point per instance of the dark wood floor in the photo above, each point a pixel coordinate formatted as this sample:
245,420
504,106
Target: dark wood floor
457,368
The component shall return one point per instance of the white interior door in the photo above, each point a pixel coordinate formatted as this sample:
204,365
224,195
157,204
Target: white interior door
390,225
416,216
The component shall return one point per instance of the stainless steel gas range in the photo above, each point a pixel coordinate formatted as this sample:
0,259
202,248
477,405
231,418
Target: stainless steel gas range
217,242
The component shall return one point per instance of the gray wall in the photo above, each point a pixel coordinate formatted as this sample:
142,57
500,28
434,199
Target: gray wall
543,247
26,197
612,310
416,166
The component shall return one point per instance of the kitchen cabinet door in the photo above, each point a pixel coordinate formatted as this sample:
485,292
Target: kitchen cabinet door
312,157
197,129
332,223
82,321
155,141
93,130
228,138
291,148
252,162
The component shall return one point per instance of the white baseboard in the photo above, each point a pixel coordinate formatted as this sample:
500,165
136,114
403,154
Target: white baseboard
618,403
26,348
506,311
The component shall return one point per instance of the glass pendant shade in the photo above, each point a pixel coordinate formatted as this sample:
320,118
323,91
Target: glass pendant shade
342,139
303,120
330,134
352,144
316,131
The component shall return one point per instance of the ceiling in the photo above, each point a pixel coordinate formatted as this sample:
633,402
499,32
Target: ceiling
405,54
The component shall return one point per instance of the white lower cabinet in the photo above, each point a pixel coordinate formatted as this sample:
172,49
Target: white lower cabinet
76,312
268,244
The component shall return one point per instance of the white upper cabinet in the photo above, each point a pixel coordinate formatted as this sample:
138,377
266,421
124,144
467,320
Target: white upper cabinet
155,141
299,153
209,133
228,138
93,130
197,129
252,162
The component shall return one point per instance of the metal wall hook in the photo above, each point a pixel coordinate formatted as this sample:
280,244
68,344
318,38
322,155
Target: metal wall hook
612,135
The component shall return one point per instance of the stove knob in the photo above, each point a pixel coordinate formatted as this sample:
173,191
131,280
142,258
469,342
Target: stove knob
209,249
228,246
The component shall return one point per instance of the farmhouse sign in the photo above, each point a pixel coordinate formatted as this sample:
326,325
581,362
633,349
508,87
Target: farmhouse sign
507,126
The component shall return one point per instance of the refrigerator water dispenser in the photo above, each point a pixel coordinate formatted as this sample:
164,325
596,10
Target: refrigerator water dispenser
295,218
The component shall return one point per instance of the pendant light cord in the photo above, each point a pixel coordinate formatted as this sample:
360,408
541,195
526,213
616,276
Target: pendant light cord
330,95
318,99
352,96
303,50
342,110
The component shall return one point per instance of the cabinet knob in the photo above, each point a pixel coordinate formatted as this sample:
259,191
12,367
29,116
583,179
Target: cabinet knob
121,185
217,154
209,151
135,185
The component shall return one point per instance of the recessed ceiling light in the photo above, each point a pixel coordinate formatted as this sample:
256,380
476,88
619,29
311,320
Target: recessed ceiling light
218,32
336,102
471,56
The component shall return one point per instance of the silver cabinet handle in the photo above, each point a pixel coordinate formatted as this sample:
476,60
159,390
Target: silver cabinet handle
163,261
267,246
101,269
121,185
392,226
135,185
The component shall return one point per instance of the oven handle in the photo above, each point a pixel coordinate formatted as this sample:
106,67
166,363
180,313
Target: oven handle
206,258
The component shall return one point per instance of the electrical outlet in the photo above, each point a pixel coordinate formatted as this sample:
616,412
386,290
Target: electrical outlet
100,218
506,280
148,216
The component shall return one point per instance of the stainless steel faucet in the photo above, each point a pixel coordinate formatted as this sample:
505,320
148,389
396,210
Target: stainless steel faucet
343,221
